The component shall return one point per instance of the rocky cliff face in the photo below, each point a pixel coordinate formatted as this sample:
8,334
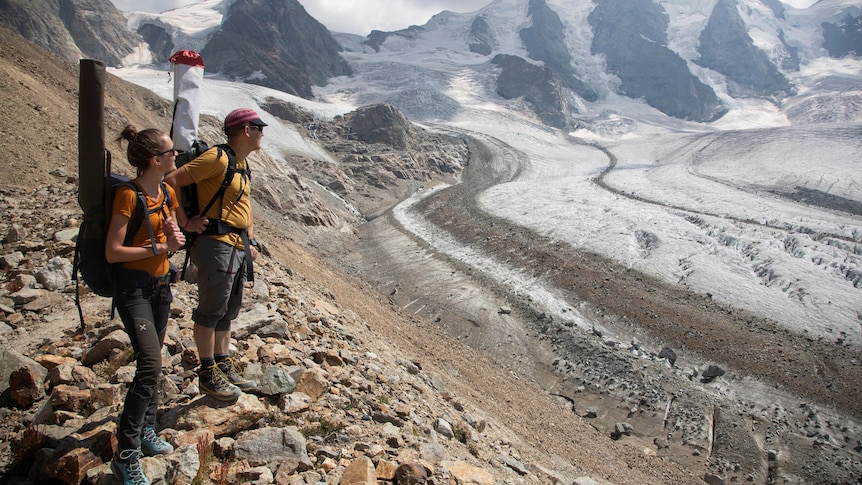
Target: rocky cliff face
726,47
275,43
539,86
72,28
481,39
844,37
160,41
632,35
545,41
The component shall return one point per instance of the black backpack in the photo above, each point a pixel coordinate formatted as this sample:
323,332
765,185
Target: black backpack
189,197
89,261
190,192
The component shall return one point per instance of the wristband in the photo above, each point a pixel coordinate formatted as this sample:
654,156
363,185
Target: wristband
252,242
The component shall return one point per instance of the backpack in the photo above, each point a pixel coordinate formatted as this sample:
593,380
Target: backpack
190,192
89,260
189,198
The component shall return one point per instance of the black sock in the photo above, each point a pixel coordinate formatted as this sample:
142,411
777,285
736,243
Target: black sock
207,362
221,357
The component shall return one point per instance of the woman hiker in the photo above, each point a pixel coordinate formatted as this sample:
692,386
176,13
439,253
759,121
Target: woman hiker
143,289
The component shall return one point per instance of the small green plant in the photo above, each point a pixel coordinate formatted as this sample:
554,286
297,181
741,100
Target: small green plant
383,399
279,419
107,368
462,434
323,428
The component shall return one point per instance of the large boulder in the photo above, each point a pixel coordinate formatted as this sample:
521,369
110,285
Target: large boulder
381,123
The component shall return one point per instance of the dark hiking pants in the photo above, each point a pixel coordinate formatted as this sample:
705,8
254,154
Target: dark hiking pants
144,312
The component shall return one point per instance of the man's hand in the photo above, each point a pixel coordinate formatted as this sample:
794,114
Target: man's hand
197,224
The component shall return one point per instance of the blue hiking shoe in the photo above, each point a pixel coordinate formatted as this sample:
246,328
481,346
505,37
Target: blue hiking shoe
152,445
127,468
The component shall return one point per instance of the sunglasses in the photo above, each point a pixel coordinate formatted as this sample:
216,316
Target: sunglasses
255,127
170,150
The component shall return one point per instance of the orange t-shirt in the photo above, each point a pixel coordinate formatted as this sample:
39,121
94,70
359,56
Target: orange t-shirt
125,203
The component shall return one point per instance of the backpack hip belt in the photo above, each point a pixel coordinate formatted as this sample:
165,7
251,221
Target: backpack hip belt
133,278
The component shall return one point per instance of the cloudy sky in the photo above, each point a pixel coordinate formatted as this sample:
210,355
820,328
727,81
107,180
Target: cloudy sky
360,16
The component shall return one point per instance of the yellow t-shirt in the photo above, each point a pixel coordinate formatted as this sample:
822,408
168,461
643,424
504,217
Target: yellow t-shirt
208,173
125,203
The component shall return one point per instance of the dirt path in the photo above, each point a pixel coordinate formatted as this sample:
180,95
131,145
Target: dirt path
781,393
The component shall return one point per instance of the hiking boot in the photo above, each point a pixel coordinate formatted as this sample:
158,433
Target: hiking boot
152,445
231,370
213,382
127,468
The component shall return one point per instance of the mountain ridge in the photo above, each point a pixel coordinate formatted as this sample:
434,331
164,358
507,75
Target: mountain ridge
696,64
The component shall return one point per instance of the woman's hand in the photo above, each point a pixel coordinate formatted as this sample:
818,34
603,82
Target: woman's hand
176,238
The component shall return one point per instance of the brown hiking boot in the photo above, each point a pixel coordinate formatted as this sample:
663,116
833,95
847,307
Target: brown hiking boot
213,382
232,371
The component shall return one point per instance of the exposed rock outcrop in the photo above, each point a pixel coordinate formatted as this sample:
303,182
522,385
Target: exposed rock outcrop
377,37
632,35
275,44
844,37
72,29
160,41
726,47
381,124
480,38
545,41
540,86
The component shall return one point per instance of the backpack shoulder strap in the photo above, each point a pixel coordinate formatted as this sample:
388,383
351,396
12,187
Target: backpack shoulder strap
138,212
168,199
232,163
228,175
166,202
141,215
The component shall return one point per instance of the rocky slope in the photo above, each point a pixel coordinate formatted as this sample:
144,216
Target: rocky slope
358,391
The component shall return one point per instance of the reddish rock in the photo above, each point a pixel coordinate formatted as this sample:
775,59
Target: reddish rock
25,387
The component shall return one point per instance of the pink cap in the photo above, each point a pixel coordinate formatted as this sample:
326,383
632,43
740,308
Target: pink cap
243,115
